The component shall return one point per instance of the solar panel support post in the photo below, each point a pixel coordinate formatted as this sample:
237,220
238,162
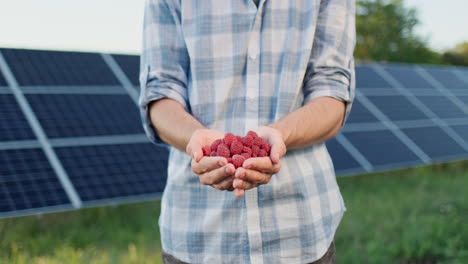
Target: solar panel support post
40,134
394,128
123,79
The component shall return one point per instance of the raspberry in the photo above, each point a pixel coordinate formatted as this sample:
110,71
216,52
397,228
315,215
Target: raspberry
248,141
213,154
255,150
263,153
237,160
228,139
245,155
223,151
239,138
247,150
206,150
254,155
266,147
252,134
215,144
236,147
229,160
258,141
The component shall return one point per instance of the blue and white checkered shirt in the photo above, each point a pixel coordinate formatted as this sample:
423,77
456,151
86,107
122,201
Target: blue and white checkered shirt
235,66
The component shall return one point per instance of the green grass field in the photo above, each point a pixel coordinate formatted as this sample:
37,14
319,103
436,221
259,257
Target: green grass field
409,216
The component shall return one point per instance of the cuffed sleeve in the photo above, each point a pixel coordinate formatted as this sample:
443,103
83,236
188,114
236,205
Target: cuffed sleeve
330,71
164,62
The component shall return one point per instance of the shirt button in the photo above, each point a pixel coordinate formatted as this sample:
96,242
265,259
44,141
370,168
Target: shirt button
253,56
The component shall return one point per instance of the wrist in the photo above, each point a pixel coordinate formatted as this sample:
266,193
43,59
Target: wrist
284,132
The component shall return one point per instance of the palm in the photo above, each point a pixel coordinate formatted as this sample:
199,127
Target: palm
199,139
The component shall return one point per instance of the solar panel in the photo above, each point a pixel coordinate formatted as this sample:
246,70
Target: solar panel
361,114
13,124
104,172
366,77
382,148
27,181
343,161
408,77
78,115
95,129
397,108
442,106
447,77
130,65
2,80
462,131
436,143
35,67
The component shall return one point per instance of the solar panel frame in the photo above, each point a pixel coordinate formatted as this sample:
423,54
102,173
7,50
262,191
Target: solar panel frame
13,123
130,65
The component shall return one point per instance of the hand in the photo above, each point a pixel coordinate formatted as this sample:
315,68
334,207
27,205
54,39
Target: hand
213,171
256,171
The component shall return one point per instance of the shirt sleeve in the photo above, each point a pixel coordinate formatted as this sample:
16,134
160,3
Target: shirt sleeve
330,71
164,62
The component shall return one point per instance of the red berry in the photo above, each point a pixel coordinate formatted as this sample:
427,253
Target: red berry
237,160
228,139
229,160
246,155
223,151
248,141
266,147
263,153
215,144
254,155
255,150
206,150
213,154
252,134
239,138
258,141
236,147
247,150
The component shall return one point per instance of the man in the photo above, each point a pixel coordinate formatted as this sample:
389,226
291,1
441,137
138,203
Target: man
281,68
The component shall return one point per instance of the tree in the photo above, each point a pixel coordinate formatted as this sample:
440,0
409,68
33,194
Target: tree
385,32
457,55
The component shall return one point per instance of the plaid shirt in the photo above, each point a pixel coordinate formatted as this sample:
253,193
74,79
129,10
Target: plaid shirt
235,66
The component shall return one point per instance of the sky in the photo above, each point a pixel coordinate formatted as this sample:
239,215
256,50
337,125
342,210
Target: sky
116,25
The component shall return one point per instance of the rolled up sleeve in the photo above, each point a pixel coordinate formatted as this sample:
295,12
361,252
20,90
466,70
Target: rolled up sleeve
330,71
164,62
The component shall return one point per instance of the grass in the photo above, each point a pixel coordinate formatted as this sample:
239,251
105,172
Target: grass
409,216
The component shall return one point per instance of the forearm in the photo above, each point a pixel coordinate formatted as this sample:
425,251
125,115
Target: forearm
317,121
172,123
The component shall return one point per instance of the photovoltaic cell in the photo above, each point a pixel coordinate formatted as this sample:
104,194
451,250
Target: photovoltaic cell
366,77
2,80
408,77
103,172
78,115
382,148
447,77
27,181
130,65
464,99
435,142
35,67
462,131
442,106
342,160
397,108
13,124
360,114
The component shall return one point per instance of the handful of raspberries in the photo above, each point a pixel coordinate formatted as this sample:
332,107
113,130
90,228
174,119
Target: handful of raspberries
237,149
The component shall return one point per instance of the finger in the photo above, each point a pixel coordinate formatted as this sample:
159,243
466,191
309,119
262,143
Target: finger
263,164
207,164
217,175
225,184
239,193
244,185
252,176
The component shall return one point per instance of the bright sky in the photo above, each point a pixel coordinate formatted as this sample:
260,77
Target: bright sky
116,25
